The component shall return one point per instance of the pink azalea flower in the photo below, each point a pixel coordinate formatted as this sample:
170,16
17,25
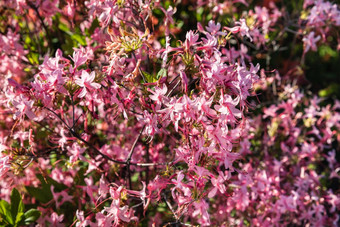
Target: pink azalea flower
201,208
115,213
309,42
60,197
214,29
191,39
142,195
159,94
24,106
227,107
57,219
241,28
103,186
108,11
150,121
4,165
86,82
218,184
76,153
79,57
82,222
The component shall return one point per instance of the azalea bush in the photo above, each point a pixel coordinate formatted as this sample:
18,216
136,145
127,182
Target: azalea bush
169,113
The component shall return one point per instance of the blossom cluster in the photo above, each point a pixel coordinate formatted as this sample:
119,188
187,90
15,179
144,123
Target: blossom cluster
136,120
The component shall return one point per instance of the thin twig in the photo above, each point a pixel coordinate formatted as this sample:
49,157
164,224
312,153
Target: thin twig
134,145
95,149
30,4
59,117
170,207
128,160
73,121
174,88
148,160
140,71
84,141
173,79
98,151
150,164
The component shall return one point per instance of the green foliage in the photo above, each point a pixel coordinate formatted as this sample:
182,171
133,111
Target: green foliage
44,194
153,78
13,214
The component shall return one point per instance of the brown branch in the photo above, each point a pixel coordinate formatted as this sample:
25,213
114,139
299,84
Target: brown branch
133,146
174,88
31,5
104,155
128,160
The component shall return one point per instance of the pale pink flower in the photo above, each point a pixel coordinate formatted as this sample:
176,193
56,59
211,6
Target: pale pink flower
79,57
115,213
214,29
159,94
86,82
24,106
4,165
76,153
241,27
310,41
60,197
201,208
142,195
151,123
108,12
57,219
191,40
82,222
103,186
218,184
227,107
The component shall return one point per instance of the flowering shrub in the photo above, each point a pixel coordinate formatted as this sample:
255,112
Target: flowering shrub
160,113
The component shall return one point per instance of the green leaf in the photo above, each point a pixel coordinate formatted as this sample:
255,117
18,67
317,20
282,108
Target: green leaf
153,78
80,176
64,28
79,39
148,77
17,205
31,216
331,89
28,39
161,73
33,58
5,212
49,181
135,177
44,195
19,218
327,50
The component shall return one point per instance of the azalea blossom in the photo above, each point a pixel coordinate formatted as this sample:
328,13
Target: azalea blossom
310,42
241,27
86,83
143,118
